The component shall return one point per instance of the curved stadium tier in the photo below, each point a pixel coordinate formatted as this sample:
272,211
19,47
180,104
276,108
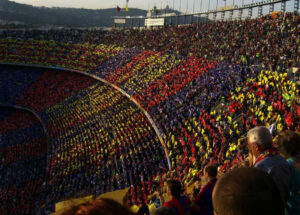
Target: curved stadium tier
90,138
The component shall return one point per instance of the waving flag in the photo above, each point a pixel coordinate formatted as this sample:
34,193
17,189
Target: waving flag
118,8
127,8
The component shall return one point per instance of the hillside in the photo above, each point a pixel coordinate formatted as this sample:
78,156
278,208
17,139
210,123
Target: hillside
12,12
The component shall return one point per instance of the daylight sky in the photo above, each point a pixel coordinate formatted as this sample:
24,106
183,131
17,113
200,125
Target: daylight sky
182,5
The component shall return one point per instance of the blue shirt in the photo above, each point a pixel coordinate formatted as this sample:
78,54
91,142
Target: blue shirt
204,198
293,202
279,169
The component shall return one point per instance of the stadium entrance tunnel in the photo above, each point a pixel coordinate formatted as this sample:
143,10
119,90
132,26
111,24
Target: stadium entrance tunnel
98,139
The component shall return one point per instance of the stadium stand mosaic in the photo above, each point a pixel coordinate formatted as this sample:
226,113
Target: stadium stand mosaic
23,162
89,126
203,94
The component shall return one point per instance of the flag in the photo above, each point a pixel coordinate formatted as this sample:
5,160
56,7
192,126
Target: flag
118,8
126,8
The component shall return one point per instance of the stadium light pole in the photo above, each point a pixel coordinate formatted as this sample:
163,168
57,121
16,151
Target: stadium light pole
296,5
208,5
173,4
200,10
187,6
194,6
179,5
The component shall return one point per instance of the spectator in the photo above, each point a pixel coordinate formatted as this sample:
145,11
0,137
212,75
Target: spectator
101,206
264,157
181,204
289,147
203,200
247,191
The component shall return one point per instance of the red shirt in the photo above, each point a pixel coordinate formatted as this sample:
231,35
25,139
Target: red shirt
298,111
181,205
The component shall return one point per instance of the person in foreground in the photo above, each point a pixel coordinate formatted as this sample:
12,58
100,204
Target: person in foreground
100,206
289,148
262,155
203,201
247,191
180,204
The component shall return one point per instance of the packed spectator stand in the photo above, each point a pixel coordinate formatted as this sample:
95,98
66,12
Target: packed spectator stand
204,86
79,114
23,162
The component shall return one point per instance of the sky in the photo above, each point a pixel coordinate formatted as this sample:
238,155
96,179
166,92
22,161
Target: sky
181,5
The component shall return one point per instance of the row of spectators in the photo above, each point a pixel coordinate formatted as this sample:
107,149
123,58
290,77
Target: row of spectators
74,36
270,186
83,57
192,141
272,42
194,124
191,144
23,162
202,107
99,141
106,134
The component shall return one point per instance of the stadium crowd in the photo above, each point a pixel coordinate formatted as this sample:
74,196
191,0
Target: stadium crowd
270,41
83,57
267,40
23,148
204,93
90,126
62,35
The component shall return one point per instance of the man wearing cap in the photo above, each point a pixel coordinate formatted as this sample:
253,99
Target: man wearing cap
262,155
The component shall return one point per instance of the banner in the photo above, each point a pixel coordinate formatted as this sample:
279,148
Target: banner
120,21
155,22
276,14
